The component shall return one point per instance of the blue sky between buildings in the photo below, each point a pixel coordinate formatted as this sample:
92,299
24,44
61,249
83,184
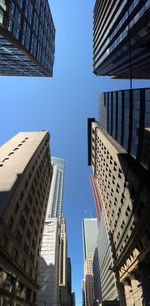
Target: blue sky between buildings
62,105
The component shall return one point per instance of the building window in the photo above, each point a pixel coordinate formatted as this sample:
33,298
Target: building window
18,237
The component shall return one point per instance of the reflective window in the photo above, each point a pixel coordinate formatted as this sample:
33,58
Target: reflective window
126,119
135,122
120,107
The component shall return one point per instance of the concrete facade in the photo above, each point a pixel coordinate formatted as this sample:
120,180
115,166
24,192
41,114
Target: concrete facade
25,178
89,282
124,187
48,276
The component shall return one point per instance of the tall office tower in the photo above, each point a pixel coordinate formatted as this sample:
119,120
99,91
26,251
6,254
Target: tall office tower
89,282
121,38
105,284
69,284
49,265
124,187
96,276
27,38
108,280
125,115
25,178
63,292
89,231
56,192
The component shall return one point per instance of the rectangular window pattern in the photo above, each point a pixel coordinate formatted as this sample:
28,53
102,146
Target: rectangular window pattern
31,29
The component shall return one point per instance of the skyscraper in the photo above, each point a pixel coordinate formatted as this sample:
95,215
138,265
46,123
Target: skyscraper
124,187
56,192
89,282
89,232
121,38
27,38
106,289
64,267
25,178
48,276
125,115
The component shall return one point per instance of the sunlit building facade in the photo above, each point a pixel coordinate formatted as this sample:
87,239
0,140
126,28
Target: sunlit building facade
121,38
27,38
124,186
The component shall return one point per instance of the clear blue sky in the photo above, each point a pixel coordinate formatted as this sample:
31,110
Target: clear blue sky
61,105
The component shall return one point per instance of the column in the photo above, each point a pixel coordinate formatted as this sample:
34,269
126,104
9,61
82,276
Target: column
128,294
136,292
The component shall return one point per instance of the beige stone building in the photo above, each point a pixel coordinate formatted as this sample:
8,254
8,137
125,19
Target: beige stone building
88,282
124,186
25,178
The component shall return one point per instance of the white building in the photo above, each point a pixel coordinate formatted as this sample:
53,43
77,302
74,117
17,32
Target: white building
48,278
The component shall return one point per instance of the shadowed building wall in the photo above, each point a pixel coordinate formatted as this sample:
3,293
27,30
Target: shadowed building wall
25,178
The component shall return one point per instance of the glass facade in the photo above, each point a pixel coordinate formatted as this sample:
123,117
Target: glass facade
127,118
90,231
55,201
27,38
118,27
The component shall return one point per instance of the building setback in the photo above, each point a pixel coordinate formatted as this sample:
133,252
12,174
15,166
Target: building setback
27,38
55,200
25,178
124,186
125,115
121,38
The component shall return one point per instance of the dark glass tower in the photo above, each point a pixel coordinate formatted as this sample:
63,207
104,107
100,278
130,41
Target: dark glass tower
121,38
125,115
27,38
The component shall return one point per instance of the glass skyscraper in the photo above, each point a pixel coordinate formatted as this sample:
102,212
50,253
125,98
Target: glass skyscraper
27,38
89,231
121,38
56,192
125,115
